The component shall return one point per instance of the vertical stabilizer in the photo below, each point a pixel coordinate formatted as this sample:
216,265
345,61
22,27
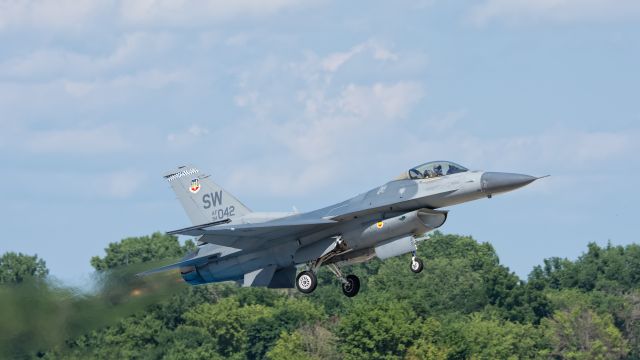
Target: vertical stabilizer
202,199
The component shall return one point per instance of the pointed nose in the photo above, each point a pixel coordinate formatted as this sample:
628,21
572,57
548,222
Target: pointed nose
497,182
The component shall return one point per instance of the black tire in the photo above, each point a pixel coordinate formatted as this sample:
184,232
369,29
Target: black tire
416,265
306,282
352,287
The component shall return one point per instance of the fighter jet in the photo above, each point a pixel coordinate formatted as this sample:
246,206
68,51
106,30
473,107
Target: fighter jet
283,250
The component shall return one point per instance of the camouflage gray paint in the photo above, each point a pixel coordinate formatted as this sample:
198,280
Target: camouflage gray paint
264,249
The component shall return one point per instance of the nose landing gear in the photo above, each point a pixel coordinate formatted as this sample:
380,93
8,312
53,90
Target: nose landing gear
416,264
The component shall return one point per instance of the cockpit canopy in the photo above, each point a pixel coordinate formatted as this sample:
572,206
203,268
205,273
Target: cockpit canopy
433,169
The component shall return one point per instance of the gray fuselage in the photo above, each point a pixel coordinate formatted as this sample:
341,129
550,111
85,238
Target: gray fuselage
387,201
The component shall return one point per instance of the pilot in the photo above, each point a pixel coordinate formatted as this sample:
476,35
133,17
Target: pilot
428,173
437,170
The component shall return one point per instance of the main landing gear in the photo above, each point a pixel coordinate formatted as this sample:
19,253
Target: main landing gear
350,283
306,281
351,286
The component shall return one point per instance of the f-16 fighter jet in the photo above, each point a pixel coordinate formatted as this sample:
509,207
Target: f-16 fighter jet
269,249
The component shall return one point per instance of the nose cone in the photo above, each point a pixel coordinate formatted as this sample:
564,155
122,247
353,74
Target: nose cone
497,182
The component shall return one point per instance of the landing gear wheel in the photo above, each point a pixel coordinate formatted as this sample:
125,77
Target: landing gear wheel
352,286
306,282
416,265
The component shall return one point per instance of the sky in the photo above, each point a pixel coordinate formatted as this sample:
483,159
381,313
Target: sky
306,103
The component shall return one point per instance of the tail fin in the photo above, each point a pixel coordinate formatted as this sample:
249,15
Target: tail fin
202,199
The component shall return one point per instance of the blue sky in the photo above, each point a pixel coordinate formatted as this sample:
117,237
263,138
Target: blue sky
304,104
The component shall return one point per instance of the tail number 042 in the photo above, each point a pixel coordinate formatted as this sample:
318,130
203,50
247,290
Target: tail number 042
223,213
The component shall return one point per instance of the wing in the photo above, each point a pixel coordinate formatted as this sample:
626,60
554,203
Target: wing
246,236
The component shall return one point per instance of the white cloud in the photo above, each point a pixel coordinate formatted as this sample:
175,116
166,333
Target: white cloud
517,11
57,14
78,141
240,39
122,85
77,89
27,103
81,183
187,136
104,90
131,49
77,15
193,12
318,120
381,101
151,79
278,179
136,45
123,184
444,122
334,61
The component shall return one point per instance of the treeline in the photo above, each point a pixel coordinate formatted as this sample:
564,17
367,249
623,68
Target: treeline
464,305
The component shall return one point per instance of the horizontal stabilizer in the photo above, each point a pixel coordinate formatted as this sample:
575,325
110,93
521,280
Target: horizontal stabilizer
195,261
183,231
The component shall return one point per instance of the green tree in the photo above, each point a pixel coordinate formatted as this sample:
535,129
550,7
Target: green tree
377,330
464,305
489,338
614,269
460,275
514,299
287,315
135,337
580,333
227,322
190,343
631,320
135,250
431,344
313,342
452,280
477,336
17,267
289,347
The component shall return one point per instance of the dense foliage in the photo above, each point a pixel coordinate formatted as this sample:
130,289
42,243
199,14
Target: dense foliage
16,268
464,305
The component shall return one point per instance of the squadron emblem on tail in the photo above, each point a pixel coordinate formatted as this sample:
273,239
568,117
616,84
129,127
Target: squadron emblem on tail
195,186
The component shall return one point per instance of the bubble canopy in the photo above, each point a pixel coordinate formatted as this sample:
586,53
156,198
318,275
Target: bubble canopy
433,169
